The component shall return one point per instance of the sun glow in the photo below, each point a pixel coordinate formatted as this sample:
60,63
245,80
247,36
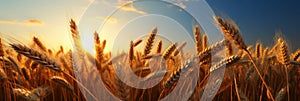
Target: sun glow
88,44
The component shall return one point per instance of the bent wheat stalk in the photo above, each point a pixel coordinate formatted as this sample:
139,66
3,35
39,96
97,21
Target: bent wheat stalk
231,31
37,56
228,61
45,61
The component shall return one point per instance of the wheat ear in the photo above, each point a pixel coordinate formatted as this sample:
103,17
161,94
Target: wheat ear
76,37
258,50
39,44
169,51
150,41
231,31
284,59
131,51
159,47
103,44
62,82
24,93
137,43
80,53
296,55
205,41
44,60
198,38
1,49
99,51
180,47
38,57
26,73
225,62
176,74
208,52
122,88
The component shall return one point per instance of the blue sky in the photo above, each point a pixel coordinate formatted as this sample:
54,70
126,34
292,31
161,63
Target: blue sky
260,19
257,19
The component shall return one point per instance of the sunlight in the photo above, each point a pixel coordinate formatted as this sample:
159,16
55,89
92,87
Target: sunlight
87,41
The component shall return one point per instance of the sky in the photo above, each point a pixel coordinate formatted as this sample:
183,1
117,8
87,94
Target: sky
120,20
260,19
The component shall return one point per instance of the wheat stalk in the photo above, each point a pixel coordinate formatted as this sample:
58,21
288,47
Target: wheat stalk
231,31
36,56
280,95
15,64
122,88
99,50
150,41
236,88
79,55
284,59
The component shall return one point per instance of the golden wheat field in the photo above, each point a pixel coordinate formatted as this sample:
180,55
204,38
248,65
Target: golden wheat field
252,73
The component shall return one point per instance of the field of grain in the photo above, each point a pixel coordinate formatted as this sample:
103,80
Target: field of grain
253,73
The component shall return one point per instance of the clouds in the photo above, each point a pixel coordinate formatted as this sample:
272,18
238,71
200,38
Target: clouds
129,7
125,5
110,20
31,22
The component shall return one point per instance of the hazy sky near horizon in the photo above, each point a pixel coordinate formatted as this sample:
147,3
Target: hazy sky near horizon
257,19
